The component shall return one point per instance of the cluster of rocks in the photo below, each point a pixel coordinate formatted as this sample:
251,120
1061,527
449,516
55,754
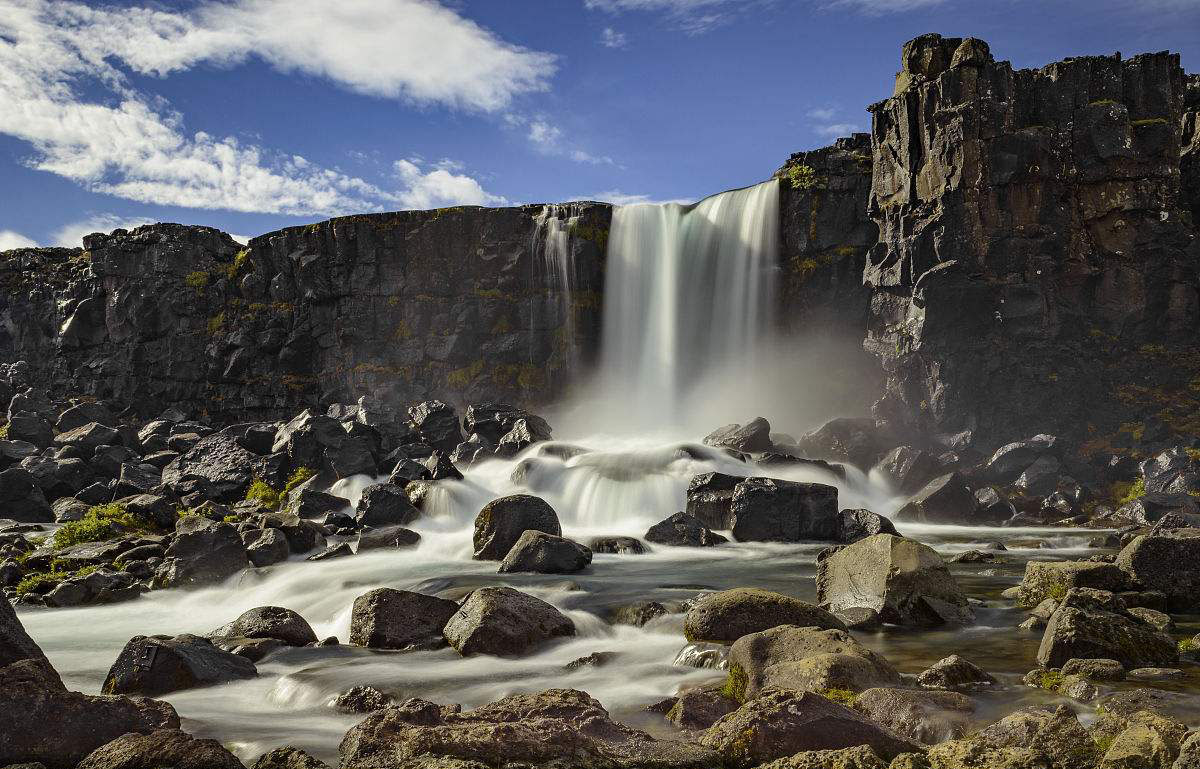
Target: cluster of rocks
177,502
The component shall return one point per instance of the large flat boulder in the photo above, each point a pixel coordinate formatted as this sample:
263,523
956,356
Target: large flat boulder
728,615
683,530
804,659
772,510
504,622
561,728
274,622
502,521
399,619
904,581
782,723
162,664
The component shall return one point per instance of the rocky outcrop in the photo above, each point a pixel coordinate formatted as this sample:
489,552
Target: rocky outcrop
728,615
1034,252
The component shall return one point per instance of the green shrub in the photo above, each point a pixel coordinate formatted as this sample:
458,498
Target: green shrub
45,581
300,476
197,280
1188,645
1137,490
261,492
99,523
804,177
3,432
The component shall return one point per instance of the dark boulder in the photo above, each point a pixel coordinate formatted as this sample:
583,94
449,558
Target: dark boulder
1007,462
846,439
202,552
992,507
155,665
57,478
362,699
524,433
440,467
908,469
492,421
43,724
217,467
504,622
1094,624
772,510
137,478
82,414
162,748
955,673
617,545
754,436
1168,562
399,619
853,525
312,504
15,643
89,437
1148,509
682,530
388,537
1041,477
385,504
925,717
354,456
710,499
155,509
266,547
21,499
437,424
307,438
30,428
537,551
502,521
945,499
276,622
474,449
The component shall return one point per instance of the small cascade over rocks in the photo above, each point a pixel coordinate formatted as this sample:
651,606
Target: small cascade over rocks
555,269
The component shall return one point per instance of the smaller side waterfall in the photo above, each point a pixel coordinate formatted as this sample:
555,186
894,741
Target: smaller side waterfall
554,270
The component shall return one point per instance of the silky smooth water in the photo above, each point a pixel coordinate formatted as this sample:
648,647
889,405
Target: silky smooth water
611,487
689,292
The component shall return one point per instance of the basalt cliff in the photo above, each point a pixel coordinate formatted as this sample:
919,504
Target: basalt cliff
1015,248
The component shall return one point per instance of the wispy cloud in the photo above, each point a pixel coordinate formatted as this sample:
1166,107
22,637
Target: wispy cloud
619,198
611,38
10,240
691,16
71,234
549,139
880,7
134,146
828,122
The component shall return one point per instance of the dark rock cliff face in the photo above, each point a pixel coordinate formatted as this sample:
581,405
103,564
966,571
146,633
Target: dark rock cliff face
1036,263
454,303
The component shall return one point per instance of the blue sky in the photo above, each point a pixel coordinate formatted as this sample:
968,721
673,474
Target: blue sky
250,115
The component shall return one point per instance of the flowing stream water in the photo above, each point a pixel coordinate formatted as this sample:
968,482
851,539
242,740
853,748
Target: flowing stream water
688,294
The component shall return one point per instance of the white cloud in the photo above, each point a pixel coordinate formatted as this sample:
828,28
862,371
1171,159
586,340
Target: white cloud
439,187
822,113
879,7
834,130
619,198
611,38
70,235
692,16
548,139
10,240
132,146
413,49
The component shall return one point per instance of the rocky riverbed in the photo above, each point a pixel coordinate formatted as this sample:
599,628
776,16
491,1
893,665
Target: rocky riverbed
423,587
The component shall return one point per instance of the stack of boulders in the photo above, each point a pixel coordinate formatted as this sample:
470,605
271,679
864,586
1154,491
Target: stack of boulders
176,502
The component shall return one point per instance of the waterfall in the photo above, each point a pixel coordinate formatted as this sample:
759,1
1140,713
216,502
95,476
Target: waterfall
554,270
689,294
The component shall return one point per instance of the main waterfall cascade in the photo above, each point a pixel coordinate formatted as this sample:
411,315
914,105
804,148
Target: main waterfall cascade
689,294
